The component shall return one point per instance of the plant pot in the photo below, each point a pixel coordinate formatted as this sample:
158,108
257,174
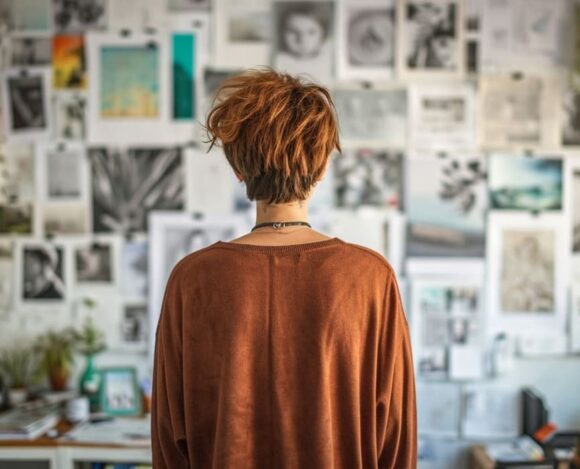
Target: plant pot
17,395
59,378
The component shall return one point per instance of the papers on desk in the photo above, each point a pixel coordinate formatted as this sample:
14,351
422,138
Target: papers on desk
120,431
522,448
27,423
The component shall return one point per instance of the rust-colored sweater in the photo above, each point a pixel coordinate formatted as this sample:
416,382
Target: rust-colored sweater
294,356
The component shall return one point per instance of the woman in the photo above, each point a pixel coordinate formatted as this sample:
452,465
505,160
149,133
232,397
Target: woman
284,347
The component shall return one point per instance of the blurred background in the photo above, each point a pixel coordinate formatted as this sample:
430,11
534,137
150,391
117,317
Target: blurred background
460,127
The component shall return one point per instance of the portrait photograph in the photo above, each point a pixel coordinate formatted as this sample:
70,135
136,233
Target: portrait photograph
431,38
304,39
42,272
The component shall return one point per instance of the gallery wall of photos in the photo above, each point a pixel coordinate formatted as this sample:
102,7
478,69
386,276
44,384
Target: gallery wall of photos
460,122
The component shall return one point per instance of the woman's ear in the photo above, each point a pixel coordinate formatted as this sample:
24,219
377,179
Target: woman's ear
238,176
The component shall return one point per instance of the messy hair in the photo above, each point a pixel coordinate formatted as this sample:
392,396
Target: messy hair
277,131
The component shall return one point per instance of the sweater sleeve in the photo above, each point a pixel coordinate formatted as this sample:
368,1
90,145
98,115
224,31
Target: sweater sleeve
168,442
396,398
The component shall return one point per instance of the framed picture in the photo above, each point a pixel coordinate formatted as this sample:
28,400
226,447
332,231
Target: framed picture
518,112
243,32
119,391
527,271
25,96
367,32
447,326
533,183
431,43
130,91
446,203
294,21
377,115
442,117
573,199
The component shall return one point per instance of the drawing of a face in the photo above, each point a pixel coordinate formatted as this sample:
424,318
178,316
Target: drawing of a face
303,35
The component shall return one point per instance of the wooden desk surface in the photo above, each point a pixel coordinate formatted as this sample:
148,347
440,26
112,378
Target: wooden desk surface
62,427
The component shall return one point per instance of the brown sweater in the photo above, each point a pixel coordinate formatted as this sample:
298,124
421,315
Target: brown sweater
294,356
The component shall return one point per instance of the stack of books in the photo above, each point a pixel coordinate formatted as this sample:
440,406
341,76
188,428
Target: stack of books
25,423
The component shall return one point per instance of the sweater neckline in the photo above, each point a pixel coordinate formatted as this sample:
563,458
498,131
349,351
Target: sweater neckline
281,248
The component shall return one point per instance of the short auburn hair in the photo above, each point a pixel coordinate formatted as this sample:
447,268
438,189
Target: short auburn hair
277,131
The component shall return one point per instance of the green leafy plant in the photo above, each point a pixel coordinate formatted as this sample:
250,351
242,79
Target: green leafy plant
56,351
91,340
19,366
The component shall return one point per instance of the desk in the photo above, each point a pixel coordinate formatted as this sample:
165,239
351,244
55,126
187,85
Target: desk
479,459
48,453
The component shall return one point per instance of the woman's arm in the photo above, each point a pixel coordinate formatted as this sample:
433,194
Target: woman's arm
169,448
396,398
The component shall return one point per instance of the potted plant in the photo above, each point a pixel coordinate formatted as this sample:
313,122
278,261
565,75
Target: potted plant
18,366
91,342
56,351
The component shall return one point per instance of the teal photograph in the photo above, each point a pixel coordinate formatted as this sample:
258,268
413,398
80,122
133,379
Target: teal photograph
525,183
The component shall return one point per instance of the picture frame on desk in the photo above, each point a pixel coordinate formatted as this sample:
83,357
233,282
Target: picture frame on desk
119,393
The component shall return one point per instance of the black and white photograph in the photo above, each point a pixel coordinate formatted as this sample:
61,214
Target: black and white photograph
134,269
431,38
43,272
368,176
94,263
69,116
64,179
64,218
27,103
368,37
571,118
134,326
442,117
446,203
377,115
524,34
517,112
79,15
304,40
446,315
128,184
31,51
